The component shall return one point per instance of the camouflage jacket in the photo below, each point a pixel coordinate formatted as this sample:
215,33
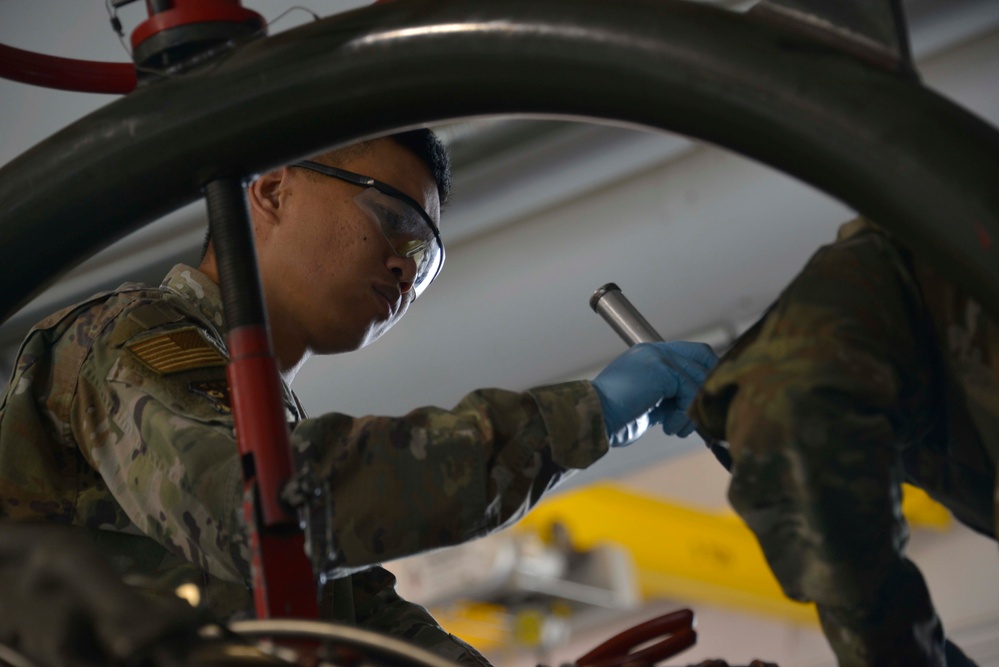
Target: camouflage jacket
869,370
117,421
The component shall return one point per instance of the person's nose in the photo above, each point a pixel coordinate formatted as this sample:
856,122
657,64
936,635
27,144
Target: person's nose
404,269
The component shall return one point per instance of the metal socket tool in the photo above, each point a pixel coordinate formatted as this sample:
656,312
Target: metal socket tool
624,318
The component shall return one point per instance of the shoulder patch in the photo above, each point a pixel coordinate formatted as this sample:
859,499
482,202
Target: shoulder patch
217,393
154,314
144,318
182,349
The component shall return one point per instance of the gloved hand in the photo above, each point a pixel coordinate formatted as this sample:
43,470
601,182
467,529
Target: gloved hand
652,383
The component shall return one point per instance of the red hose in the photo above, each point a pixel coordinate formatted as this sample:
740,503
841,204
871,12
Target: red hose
83,76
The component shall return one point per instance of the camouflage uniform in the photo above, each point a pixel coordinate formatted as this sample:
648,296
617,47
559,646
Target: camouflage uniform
117,421
868,371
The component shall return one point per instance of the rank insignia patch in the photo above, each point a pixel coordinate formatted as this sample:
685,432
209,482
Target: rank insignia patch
178,350
217,393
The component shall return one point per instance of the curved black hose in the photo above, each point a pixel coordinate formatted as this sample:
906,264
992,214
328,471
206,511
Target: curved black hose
235,253
884,145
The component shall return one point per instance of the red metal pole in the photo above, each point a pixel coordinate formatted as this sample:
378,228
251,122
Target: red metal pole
283,582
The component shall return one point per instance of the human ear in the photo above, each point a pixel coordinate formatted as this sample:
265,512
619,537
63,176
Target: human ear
264,195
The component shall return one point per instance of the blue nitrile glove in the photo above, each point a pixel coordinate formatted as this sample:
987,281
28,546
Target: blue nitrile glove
652,383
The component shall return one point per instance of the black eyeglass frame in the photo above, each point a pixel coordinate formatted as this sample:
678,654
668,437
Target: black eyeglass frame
385,188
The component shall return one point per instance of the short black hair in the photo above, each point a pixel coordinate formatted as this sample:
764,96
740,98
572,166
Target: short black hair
427,146
421,142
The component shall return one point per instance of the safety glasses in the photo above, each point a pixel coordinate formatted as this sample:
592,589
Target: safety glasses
400,218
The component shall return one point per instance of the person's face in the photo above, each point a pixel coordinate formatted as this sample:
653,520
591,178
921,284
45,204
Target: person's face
332,280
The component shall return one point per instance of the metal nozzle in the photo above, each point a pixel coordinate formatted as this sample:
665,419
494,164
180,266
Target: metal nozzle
624,318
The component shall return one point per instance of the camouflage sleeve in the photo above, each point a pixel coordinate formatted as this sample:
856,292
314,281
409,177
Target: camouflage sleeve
433,478
379,608
154,422
817,401
163,443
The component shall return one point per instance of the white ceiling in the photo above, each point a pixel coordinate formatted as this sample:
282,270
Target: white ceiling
700,239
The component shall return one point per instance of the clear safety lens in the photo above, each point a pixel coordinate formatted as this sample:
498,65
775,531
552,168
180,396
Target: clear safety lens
408,231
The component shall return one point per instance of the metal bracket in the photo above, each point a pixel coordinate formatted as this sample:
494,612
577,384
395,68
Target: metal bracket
871,29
